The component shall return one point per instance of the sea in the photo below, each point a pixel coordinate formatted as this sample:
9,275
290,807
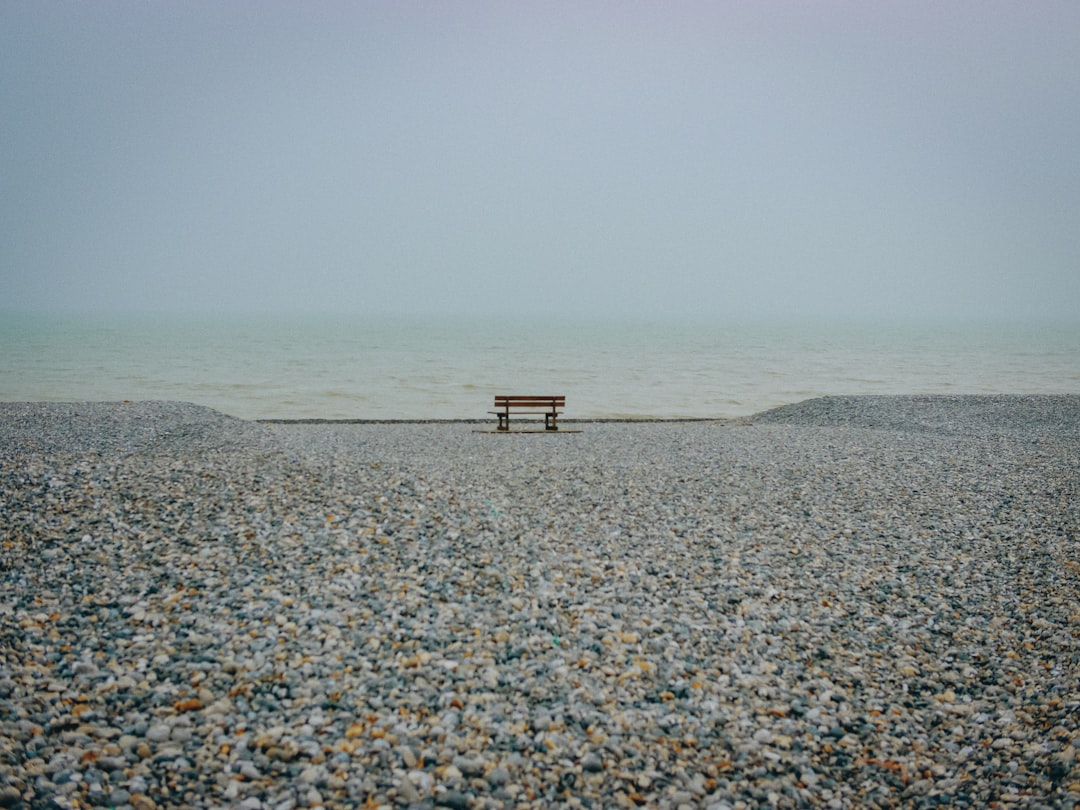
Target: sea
385,367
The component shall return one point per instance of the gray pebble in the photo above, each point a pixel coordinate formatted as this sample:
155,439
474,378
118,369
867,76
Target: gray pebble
591,763
158,733
453,799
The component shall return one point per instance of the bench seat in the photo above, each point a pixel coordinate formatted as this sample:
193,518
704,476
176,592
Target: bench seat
528,405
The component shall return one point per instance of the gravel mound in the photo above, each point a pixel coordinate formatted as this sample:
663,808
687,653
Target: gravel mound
865,601
1057,415
98,428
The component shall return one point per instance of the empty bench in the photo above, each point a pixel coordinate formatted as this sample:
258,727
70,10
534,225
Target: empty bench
547,406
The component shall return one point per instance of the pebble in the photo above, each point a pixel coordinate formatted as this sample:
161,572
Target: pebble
158,733
851,601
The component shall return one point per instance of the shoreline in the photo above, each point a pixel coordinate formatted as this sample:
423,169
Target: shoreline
852,601
815,410
489,420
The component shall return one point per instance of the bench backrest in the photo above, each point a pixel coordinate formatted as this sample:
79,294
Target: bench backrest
508,402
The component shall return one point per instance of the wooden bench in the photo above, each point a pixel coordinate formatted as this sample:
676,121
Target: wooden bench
546,406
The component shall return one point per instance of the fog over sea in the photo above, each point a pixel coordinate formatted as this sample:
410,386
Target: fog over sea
364,367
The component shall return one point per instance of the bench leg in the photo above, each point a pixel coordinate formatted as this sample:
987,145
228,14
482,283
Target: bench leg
504,421
550,421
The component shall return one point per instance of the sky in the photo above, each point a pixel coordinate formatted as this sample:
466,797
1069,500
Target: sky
719,159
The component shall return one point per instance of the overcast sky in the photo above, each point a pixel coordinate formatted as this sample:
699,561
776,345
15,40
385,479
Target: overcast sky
719,159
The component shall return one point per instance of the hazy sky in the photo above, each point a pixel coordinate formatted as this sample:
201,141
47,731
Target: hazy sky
710,158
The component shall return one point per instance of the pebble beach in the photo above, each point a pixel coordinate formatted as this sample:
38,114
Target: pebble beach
846,602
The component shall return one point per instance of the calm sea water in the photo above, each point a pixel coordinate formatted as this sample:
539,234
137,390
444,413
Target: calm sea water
392,368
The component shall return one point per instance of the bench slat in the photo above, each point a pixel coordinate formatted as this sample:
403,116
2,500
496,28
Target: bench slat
524,413
529,401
